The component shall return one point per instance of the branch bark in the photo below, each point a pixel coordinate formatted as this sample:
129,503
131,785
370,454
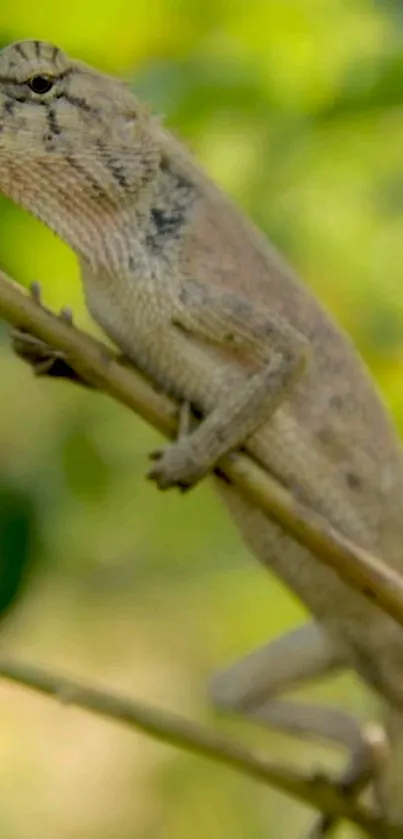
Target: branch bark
312,790
96,363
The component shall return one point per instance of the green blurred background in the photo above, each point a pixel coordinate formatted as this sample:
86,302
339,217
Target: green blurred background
295,108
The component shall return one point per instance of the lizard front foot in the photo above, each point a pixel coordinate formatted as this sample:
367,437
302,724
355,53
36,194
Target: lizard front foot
178,465
39,355
42,358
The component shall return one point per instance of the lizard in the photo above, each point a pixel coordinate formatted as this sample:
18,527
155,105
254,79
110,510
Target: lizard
198,299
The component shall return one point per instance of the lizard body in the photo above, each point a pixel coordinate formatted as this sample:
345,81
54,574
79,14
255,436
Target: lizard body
198,299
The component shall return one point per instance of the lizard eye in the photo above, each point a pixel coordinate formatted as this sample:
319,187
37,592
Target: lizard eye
41,84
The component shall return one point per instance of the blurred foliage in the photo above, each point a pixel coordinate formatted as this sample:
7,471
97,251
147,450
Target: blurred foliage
17,534
295,108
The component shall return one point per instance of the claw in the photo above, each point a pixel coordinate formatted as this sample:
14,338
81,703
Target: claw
153,475
22,338
41,368
66,314
36,292
163,484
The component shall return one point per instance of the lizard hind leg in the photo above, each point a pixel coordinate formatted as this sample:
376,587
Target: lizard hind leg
364,767
249,688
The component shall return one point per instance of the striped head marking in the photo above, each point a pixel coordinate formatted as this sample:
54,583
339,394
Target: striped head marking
74,143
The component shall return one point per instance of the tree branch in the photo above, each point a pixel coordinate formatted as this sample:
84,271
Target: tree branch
97,364
312,790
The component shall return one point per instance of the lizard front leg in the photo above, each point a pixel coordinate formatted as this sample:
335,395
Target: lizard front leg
42,358
47,361
277,354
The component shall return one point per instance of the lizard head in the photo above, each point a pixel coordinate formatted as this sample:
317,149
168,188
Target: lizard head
76,148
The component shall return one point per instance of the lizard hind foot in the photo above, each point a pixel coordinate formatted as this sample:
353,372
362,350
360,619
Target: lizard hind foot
362,771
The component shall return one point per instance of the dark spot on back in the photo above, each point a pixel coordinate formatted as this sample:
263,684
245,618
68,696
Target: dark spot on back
172,207
166,221
353,480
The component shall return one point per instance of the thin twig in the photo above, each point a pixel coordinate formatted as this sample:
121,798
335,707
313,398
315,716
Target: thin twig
96,363
312,790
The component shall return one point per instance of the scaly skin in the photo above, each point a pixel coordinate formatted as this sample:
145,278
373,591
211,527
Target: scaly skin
196,297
